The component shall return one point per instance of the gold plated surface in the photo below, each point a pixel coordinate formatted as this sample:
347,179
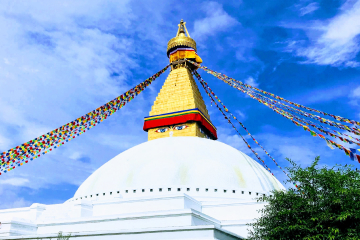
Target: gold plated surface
181,39
178,93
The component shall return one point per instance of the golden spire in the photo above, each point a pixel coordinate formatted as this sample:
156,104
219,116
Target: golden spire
182,47
179,109
181,39
181,29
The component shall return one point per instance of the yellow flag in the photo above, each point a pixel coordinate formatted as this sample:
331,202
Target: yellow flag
329,144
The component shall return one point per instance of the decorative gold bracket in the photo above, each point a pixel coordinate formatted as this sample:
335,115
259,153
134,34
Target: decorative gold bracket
181,29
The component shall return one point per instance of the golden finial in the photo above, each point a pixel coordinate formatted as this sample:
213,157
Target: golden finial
181,39
181,29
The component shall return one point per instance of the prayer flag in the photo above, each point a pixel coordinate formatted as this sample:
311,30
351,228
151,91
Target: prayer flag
328,143
352,156
347,152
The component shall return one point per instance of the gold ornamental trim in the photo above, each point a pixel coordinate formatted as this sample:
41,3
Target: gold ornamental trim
181,41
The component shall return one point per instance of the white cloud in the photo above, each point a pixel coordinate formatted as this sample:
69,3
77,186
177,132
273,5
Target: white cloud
20,203
355,97
251,81
335,41
57,68
235,141
216,20
356,93
240,115
60,60
119,141
5,142
10,198
15,181
244,49
322,95
311,7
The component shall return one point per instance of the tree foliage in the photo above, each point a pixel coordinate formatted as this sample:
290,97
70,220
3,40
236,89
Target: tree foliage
325,206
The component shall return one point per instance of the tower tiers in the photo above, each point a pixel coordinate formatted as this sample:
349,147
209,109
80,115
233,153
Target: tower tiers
179,109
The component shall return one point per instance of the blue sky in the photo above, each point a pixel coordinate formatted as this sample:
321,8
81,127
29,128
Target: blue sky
62,59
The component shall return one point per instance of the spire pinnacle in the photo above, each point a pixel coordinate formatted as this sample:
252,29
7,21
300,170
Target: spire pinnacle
182,29
181,39
182,46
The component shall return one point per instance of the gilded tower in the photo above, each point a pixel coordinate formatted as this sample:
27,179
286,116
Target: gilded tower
179,109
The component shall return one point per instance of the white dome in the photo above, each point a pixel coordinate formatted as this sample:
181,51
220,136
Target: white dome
197,165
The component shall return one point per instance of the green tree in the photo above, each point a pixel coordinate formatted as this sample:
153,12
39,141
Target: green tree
325,206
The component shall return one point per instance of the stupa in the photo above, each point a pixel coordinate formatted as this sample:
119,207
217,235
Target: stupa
180,184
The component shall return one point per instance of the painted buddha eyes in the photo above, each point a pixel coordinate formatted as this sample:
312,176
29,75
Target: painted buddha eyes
162,130
180,127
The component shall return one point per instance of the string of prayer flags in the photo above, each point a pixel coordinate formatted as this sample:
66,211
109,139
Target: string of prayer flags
343,127
197,75
306,128
305,114
313,133
212,95
291,116
35,148
262,99
216,74
286,107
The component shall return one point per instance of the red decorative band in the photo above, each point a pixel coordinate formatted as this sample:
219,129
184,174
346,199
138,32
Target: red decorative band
186,117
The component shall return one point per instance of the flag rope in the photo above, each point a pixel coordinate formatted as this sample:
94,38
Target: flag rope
204,84
208,90
19,155
303,113
351,152
307,115
308,122
220,75
264,100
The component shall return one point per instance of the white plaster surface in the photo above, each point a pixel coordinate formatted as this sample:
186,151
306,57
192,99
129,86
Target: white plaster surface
170,188
179,162
185,233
